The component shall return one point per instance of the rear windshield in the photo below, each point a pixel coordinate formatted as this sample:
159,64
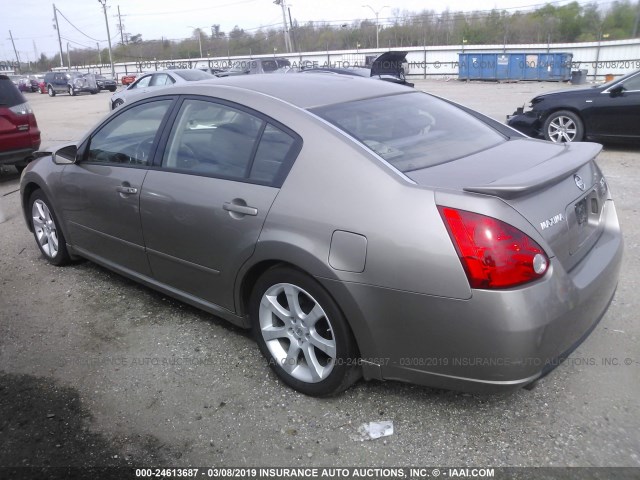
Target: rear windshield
412,131
9,93
193,75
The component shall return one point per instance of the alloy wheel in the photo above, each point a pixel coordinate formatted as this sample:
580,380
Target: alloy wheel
297,332
45,228
562,129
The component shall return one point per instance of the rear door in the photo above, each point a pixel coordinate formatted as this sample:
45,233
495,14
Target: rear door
102,200
204,204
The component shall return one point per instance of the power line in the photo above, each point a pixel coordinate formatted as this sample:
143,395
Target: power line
69,21
174,12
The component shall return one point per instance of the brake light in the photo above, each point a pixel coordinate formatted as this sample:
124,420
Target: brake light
493,254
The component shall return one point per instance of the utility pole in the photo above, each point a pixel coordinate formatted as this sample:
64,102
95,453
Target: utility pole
68,57
57,27
99,53
104,8
120,26
377,14
293,36
14,50
287,40
637,22
199,30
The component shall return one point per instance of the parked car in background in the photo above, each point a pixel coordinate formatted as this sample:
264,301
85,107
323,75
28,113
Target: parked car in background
602,112
19,132
160,78
357,227
211,70
105,83
22,82
128,79
389,67
70,82
255,66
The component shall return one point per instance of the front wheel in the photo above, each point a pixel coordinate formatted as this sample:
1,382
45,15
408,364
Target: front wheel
46,229
117,103
51,92
302,333
72,91
563,127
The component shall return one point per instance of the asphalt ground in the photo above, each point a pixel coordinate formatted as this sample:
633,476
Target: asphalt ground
97,370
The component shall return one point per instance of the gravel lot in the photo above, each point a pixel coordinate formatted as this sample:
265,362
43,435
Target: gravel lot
97,370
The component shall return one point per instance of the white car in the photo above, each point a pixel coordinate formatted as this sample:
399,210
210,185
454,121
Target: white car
161,78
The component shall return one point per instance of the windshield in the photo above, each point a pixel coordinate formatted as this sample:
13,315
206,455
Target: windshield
193,75
412,131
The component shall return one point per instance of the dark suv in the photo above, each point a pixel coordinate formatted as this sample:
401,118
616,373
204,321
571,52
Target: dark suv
19,132
70,82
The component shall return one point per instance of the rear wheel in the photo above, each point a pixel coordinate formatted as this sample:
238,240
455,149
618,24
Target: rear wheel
563,126
51,91
303,334
46,229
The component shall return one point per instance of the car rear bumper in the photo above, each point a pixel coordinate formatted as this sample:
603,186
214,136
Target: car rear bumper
13,157
495,341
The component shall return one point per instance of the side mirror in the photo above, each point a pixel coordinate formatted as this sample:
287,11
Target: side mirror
617,90
65,155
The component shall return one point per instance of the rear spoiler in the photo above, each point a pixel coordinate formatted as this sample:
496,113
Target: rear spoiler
557,168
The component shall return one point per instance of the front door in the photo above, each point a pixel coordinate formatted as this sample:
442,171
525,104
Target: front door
102,200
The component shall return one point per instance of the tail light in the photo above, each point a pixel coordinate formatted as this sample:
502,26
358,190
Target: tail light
493,254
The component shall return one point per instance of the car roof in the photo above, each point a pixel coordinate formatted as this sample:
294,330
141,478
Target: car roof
312,90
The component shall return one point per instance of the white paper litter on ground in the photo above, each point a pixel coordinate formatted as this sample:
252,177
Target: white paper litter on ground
373,430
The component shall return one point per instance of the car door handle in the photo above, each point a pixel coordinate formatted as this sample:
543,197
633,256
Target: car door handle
241,209
127,190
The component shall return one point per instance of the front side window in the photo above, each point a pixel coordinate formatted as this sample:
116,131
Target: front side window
412,131
128,137
632,84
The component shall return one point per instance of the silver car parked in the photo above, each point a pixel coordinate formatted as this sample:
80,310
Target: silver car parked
358,227
161,78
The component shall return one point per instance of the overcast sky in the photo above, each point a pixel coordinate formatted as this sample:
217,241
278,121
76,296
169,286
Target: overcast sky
31,21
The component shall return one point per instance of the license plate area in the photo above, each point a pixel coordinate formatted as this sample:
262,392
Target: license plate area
584,219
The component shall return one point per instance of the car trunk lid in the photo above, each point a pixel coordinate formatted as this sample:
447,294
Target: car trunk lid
559,189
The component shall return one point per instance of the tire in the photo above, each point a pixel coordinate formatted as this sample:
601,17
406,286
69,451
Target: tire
93,92
112,89
51,91
311,350
563,126
46,229
117,103
72,91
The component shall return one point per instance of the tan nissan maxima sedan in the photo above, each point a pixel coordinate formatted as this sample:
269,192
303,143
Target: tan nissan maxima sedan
359,227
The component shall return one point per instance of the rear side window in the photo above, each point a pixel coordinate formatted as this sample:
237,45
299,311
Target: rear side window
412,131
218,140
9,93
193,75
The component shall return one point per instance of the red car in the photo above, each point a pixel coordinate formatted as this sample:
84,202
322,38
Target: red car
128,79
19,132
